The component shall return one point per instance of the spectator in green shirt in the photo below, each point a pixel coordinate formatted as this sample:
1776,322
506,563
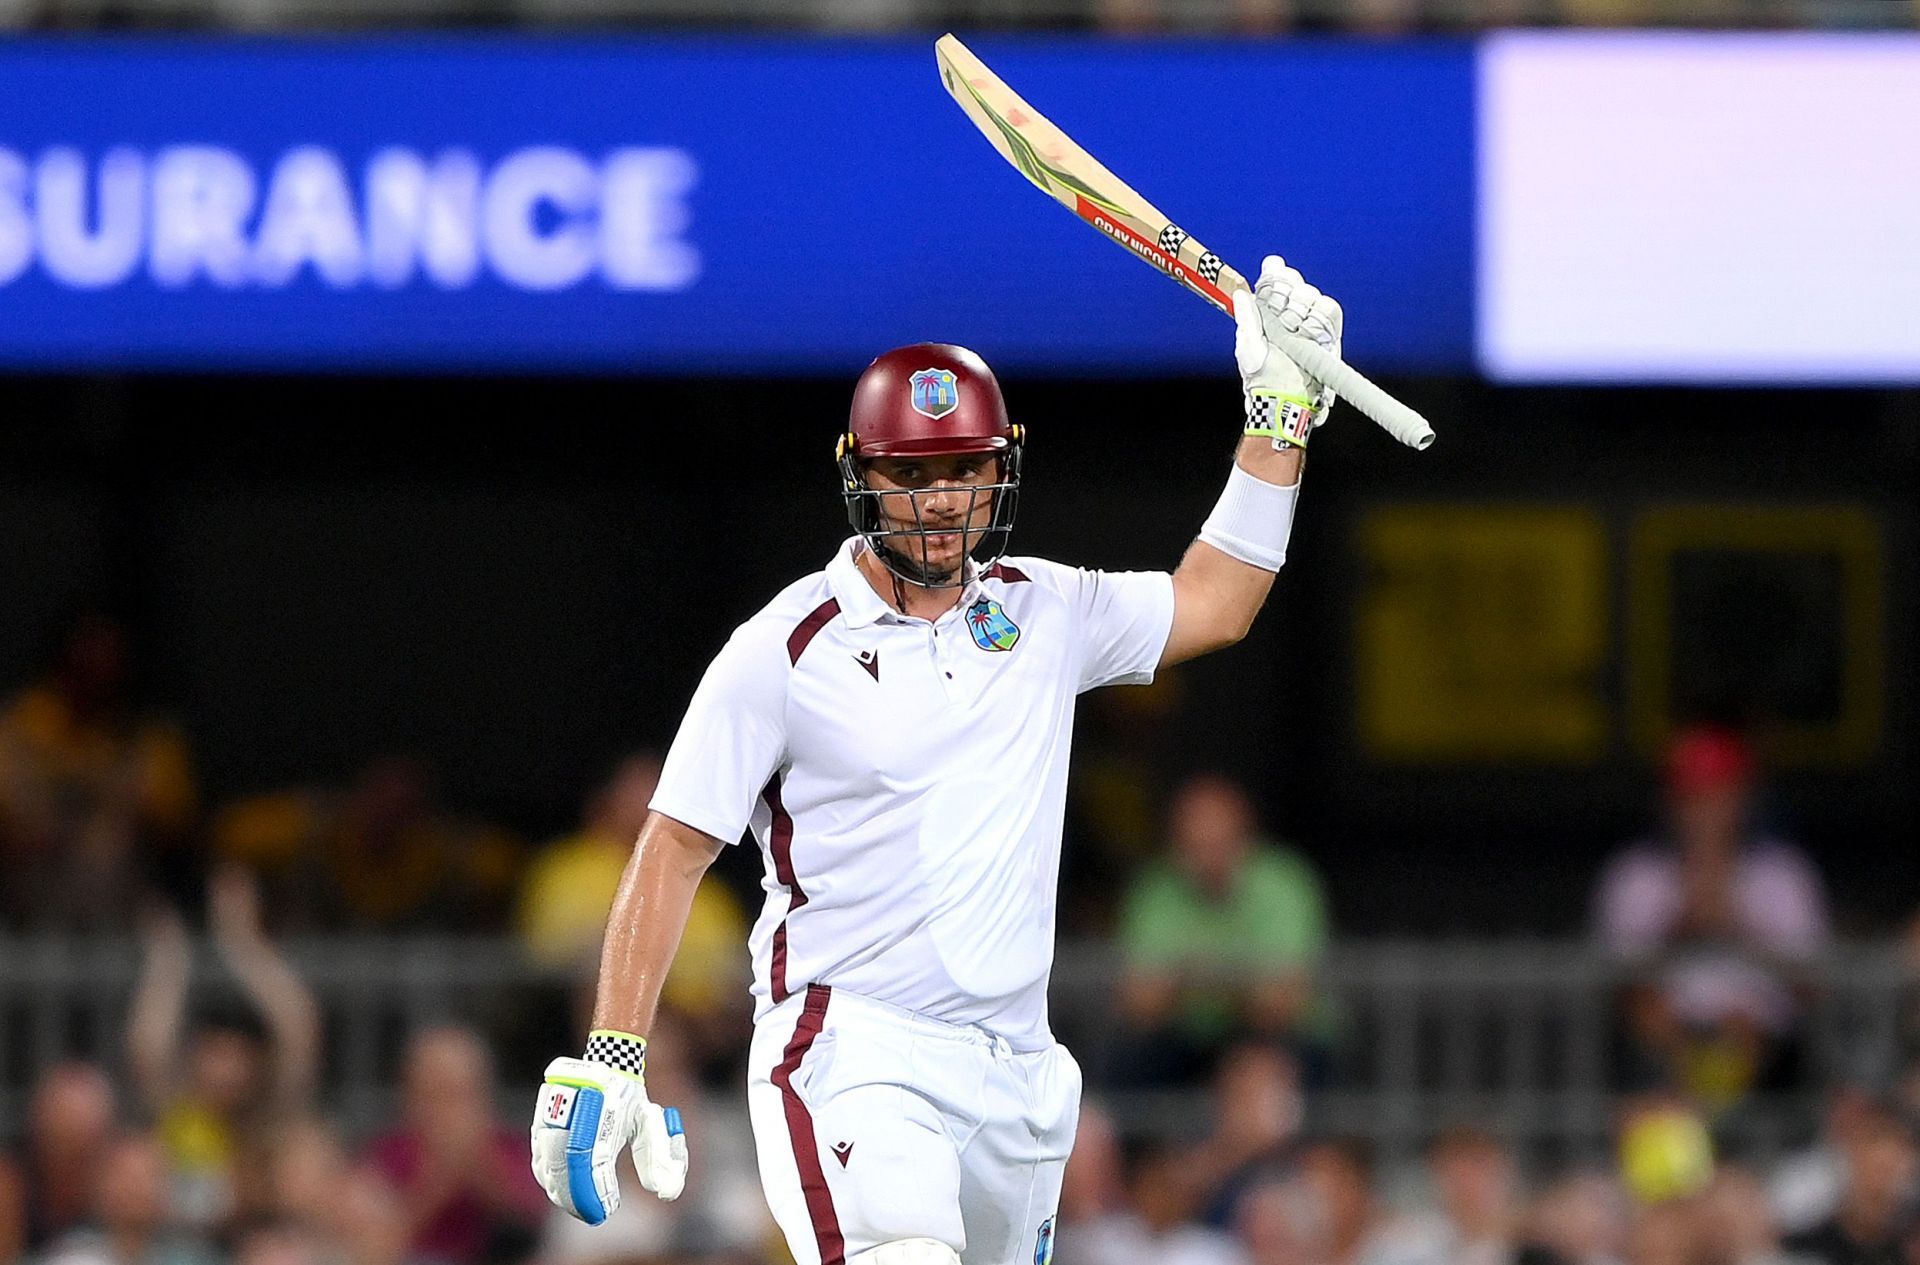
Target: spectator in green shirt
1220,939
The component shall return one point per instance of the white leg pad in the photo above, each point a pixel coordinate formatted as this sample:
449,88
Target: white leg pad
907,1252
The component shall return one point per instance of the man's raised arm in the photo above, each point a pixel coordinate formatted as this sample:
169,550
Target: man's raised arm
1227,573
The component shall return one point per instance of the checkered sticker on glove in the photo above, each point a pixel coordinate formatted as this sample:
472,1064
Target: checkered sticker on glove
588,1111
1283,403
1285,419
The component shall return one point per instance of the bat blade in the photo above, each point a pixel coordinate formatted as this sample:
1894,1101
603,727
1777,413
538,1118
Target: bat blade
1078,181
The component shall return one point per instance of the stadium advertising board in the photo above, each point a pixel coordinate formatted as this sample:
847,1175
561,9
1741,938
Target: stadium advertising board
1541,206
688,204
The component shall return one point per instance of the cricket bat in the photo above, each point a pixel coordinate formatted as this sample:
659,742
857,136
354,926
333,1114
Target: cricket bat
1048,156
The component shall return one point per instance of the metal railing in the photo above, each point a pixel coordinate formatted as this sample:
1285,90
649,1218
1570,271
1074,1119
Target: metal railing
1523,1037
1518,1036
63,997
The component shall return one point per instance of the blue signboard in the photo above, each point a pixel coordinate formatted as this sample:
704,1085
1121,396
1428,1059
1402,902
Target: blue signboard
701,204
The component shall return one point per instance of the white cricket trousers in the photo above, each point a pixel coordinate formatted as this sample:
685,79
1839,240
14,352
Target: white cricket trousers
875,1124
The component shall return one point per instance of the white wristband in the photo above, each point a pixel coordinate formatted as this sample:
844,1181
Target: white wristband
1252,520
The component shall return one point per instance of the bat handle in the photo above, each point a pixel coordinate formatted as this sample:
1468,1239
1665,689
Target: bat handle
1394,417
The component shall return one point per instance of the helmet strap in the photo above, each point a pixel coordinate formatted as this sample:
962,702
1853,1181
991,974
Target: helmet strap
903,568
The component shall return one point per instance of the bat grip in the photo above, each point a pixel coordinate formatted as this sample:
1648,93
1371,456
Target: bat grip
1394,417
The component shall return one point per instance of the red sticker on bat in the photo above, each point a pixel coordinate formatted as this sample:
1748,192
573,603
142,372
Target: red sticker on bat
1151,252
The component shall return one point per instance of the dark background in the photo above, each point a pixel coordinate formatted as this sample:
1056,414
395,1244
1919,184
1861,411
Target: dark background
521,579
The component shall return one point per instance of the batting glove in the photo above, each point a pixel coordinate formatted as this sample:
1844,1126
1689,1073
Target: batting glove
589,1110
1283,402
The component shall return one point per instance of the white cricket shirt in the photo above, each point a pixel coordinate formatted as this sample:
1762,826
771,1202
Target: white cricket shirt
907,780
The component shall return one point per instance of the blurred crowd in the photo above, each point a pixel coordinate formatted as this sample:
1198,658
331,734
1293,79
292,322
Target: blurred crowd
1258,1191
1398,17
222,1159
227,1161
1254,18
203,1134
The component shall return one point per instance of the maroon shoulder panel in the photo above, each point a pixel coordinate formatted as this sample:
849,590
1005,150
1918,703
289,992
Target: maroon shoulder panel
807,628
1012,575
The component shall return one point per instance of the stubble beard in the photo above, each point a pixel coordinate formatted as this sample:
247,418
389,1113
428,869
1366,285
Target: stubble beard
930,575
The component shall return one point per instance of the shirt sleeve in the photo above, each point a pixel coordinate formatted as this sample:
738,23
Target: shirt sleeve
1636,904
1125,620
731,740
1784,901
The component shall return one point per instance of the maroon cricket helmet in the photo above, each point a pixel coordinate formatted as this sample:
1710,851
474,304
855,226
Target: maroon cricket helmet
925,400
928,399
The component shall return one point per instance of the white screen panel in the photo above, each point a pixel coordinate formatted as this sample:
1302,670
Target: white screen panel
1699,207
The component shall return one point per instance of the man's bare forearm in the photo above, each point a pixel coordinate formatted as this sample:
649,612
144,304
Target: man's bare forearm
1259,457
648,917
1216,596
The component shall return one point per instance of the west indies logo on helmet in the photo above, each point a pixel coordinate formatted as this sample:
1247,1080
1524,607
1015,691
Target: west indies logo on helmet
936,392
929,400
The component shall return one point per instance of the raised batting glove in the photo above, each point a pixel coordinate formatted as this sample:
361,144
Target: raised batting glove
1283,402
589,1110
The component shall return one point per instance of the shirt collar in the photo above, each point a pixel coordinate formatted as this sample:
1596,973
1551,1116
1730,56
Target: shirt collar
859,604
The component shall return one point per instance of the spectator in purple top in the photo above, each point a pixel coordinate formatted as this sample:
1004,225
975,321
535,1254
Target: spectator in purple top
1715,915
465,1191
49,1190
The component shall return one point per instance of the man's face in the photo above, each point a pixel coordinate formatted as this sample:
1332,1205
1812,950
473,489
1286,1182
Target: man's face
1474,1180
1881,1162
1338,1191
1709,821
132,1194
72,1112
446,1074
952,510
224,1067
1212,827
